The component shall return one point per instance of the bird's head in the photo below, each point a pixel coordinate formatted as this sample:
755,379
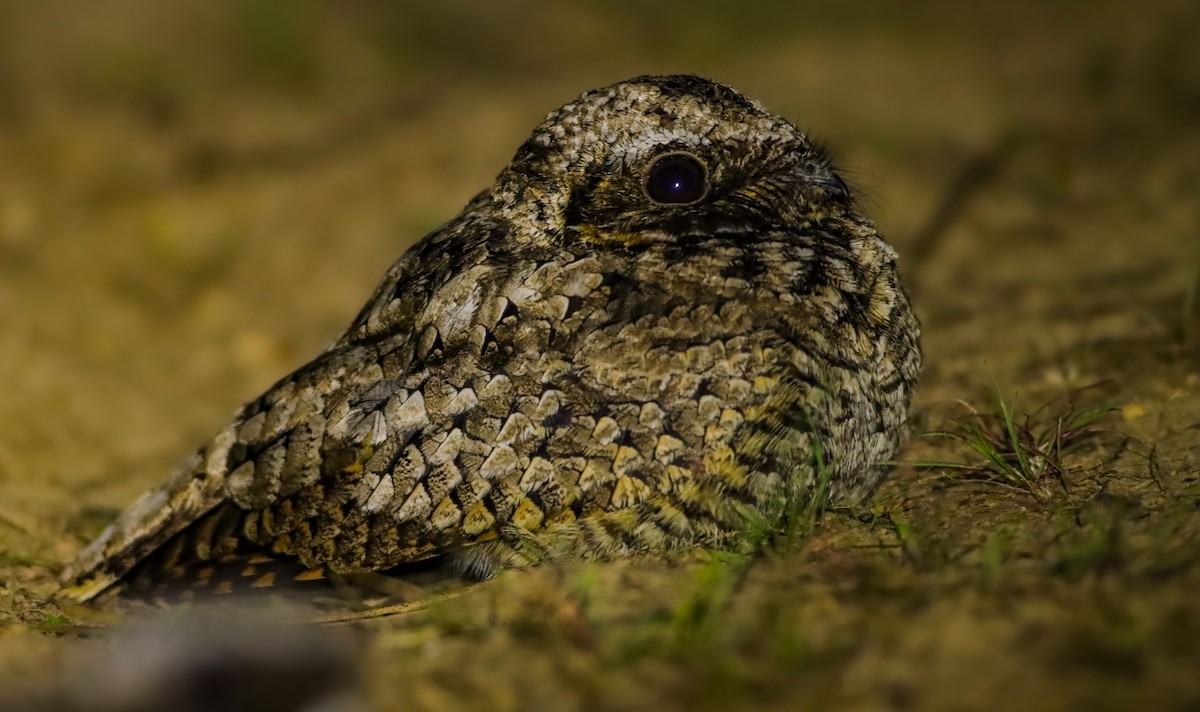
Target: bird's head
658,158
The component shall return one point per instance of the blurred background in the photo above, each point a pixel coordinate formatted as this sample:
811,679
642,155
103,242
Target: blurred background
196,196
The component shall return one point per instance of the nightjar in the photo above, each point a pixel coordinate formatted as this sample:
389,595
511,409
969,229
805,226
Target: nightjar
665,314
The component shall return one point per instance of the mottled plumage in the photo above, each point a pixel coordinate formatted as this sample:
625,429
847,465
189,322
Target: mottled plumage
573,366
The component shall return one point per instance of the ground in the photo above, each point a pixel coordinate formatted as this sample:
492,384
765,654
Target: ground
194,200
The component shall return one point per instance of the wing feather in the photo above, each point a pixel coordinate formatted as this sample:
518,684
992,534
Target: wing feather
309,424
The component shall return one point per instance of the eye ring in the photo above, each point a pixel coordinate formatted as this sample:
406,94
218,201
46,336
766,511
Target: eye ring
676,178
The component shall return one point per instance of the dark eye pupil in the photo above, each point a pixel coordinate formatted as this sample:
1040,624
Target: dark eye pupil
676,178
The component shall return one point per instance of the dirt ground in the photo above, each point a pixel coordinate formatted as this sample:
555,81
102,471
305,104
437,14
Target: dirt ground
194,199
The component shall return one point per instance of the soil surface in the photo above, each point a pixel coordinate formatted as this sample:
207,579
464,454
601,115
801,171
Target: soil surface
194,200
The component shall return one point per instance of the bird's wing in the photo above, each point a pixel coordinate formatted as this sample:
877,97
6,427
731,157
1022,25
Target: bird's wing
294,441
276,446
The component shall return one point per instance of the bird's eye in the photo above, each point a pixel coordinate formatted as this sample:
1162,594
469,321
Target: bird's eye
676,179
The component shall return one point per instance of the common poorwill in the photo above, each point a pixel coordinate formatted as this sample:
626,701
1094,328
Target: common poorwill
665,313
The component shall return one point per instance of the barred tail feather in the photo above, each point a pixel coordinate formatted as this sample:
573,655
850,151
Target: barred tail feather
157,516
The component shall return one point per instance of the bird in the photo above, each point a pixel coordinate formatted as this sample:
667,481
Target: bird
666,313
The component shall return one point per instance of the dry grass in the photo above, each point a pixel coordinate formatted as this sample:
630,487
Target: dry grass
1024,452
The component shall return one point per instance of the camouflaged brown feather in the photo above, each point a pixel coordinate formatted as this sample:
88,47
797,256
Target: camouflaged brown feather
573,366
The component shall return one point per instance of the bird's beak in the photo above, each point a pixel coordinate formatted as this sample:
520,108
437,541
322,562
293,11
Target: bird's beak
831,183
